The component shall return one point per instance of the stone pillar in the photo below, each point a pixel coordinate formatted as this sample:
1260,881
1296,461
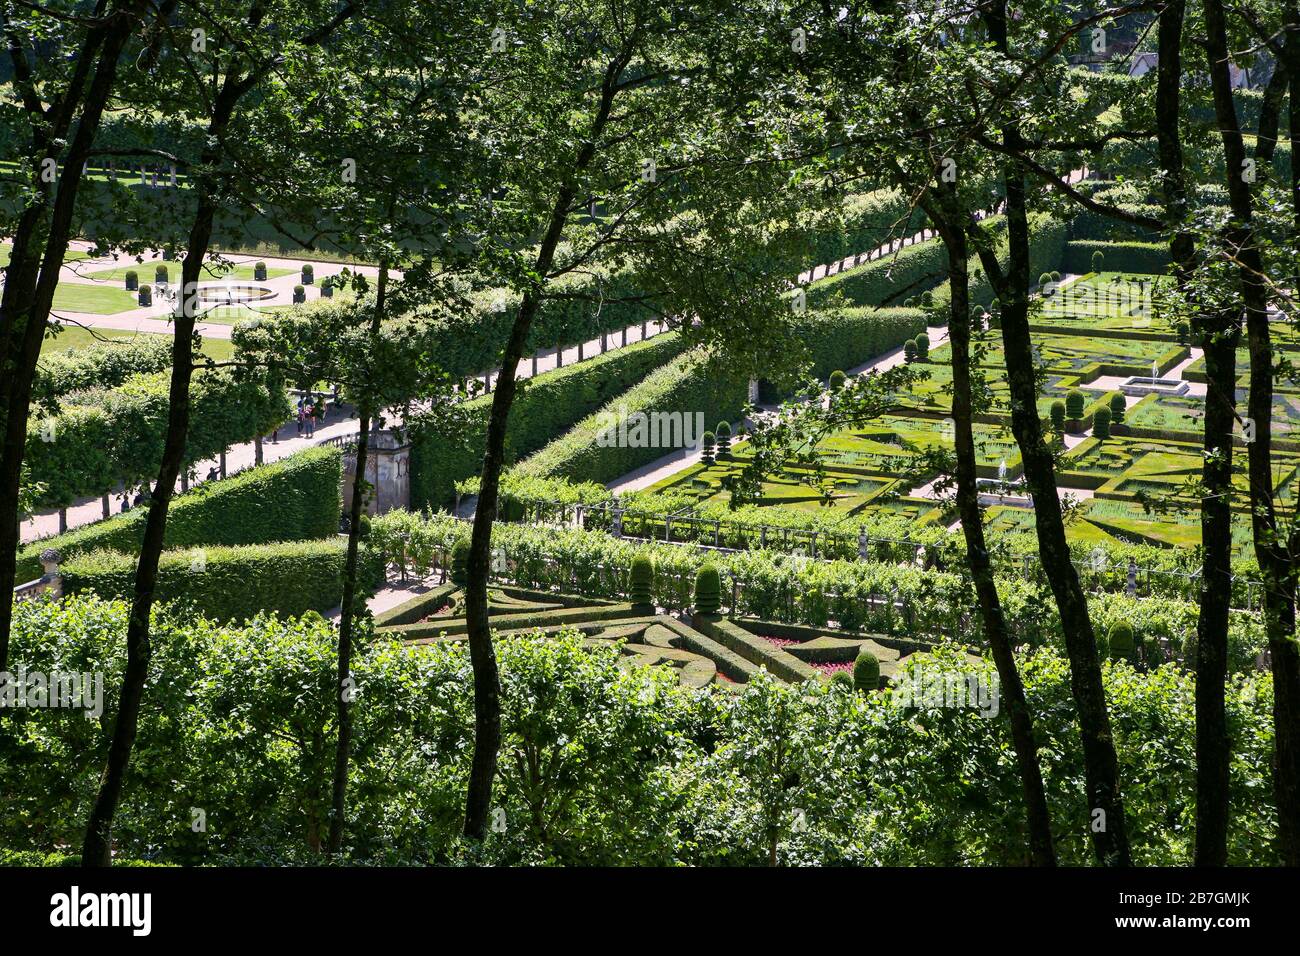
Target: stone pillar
388,469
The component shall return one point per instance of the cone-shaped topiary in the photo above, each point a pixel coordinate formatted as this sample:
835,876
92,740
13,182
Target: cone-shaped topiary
708,589
724,438
640,579
1120,639
923,347
1117,407
1058,415
460,562
1101,423
837,380
1074,404
909,350
866,672
707,448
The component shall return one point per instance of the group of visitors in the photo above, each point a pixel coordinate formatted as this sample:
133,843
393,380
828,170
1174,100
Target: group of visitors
310,407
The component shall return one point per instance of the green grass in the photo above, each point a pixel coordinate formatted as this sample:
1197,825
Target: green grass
211,270
72,255
74,337
102,300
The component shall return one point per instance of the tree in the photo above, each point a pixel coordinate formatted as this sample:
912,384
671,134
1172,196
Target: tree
61,100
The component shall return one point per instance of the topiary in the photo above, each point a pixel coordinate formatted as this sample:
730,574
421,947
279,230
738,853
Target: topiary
640,578
1045,278
1074,405
837,380
160,275
708,589
707,444
1056,276
1058,415
909,350
724,438
1101,423
1121,643
144,295
132,280
299,294
841,678
327,288
308,274
927,299
259,271
460,562
1098,261
1117,408
922,347
866,672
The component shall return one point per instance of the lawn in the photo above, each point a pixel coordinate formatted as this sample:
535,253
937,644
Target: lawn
211,270
75,337
99,299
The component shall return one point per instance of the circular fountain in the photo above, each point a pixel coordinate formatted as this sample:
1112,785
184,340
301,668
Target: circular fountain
232,293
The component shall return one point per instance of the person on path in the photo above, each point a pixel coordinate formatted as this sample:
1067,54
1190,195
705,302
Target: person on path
301,416
309,413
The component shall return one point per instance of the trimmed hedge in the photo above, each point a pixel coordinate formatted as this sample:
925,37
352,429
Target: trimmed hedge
102,365
687,388
886,281
1089,225
867,221
847,337
544,408
296,498
1144,257
104,438
232,584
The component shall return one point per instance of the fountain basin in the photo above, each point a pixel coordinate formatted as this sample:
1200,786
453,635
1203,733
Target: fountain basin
992,491
232,293
1147,385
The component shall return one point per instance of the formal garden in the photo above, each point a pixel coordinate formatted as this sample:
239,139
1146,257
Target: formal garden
607,443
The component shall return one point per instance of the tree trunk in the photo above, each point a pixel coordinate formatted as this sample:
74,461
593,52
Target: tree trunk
1038,818
487,686
1273,546
1219,333
32,275
343,689
1101,767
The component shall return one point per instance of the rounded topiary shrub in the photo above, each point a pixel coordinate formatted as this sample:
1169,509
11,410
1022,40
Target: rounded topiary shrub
909,302
144,295
460,562
1045,278
923,347
259,271
327,289
1058,415
927,299
723,435
1056,276
308,275
708,589
1098,261
842,679
1121,643
132,280
866,672
640,579
1101,423
1117,407
1074,404
837,380
299,294
909,350
707,445
160,275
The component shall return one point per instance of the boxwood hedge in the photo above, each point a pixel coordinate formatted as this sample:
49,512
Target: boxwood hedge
1145,257
293,499
101,365
233,583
